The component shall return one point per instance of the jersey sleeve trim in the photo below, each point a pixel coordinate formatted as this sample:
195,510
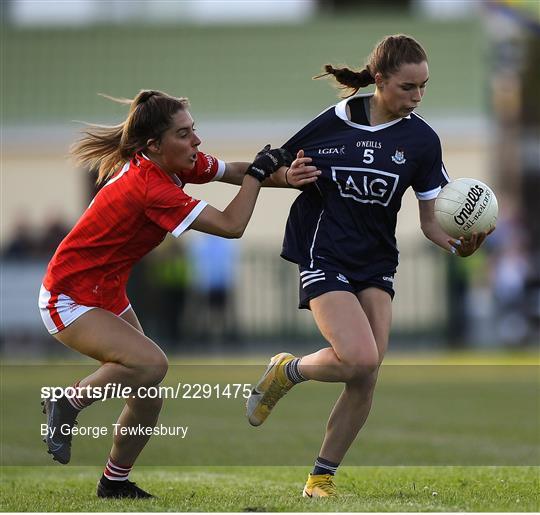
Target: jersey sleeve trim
428,195
189,219
220,171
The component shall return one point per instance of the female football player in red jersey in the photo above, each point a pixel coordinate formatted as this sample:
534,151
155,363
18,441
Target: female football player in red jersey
145,161
341,232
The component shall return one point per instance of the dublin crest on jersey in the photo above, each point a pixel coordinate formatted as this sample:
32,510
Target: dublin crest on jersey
399,157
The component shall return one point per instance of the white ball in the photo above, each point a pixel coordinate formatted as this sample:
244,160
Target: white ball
465,206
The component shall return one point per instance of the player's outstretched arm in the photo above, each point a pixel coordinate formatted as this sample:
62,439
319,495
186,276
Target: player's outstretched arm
299,174
233,220
271,157
432,231
234,173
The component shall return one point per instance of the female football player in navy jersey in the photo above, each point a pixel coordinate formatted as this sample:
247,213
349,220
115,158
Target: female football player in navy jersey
341,232
146,161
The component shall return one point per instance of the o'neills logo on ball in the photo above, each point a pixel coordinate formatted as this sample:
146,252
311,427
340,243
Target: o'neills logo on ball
474,195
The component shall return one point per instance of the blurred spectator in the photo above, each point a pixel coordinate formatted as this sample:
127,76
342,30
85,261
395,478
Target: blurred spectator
157,289
33,243
470,309
213,262
22,245
489,293
49,238
510,271
479,306
169,271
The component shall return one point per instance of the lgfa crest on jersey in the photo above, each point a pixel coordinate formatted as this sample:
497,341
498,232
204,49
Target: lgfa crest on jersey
399,156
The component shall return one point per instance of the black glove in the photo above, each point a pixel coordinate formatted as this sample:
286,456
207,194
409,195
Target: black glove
267,161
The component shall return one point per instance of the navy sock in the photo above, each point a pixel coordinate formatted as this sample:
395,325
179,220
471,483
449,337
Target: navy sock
292,372
323,466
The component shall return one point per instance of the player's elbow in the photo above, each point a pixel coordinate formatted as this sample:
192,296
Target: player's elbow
231,228
234,230
234,235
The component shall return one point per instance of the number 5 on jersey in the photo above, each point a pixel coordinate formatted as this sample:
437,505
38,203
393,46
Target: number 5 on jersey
368,156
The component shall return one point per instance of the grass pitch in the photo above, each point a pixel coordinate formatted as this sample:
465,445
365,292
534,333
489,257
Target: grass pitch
277,489
442,436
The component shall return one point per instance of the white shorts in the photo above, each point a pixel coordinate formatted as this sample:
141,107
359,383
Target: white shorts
58,311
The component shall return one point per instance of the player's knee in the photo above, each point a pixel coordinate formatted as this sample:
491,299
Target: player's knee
362,371
154,369
159,369
363,383
360,366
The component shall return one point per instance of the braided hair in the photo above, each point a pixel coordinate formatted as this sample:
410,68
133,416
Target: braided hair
386,59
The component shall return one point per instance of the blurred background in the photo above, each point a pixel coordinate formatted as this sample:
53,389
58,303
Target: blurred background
246,68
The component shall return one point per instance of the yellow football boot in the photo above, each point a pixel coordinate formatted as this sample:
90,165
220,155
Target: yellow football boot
320,485
273,385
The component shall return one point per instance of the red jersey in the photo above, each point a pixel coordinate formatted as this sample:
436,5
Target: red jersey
128,217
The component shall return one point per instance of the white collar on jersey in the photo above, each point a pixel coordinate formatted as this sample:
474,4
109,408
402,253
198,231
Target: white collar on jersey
341,112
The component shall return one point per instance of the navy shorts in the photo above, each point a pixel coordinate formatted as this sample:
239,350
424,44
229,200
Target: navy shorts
314,283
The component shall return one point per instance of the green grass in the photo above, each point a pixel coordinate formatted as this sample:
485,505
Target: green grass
422,415
276,489
469,432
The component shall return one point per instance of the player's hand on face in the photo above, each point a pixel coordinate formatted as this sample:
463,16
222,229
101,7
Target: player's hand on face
301,172
466,247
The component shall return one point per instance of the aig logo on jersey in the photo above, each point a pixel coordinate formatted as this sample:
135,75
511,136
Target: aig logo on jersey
365,185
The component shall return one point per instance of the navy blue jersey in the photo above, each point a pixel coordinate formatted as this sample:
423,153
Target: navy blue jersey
346,220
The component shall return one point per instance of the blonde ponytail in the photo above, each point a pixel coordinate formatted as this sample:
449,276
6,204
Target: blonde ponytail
106,148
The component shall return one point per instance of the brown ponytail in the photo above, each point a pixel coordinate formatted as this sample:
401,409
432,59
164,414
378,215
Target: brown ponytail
108,147
386,59
349,79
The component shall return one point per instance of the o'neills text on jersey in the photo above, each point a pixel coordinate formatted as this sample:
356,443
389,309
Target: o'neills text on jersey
368,144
